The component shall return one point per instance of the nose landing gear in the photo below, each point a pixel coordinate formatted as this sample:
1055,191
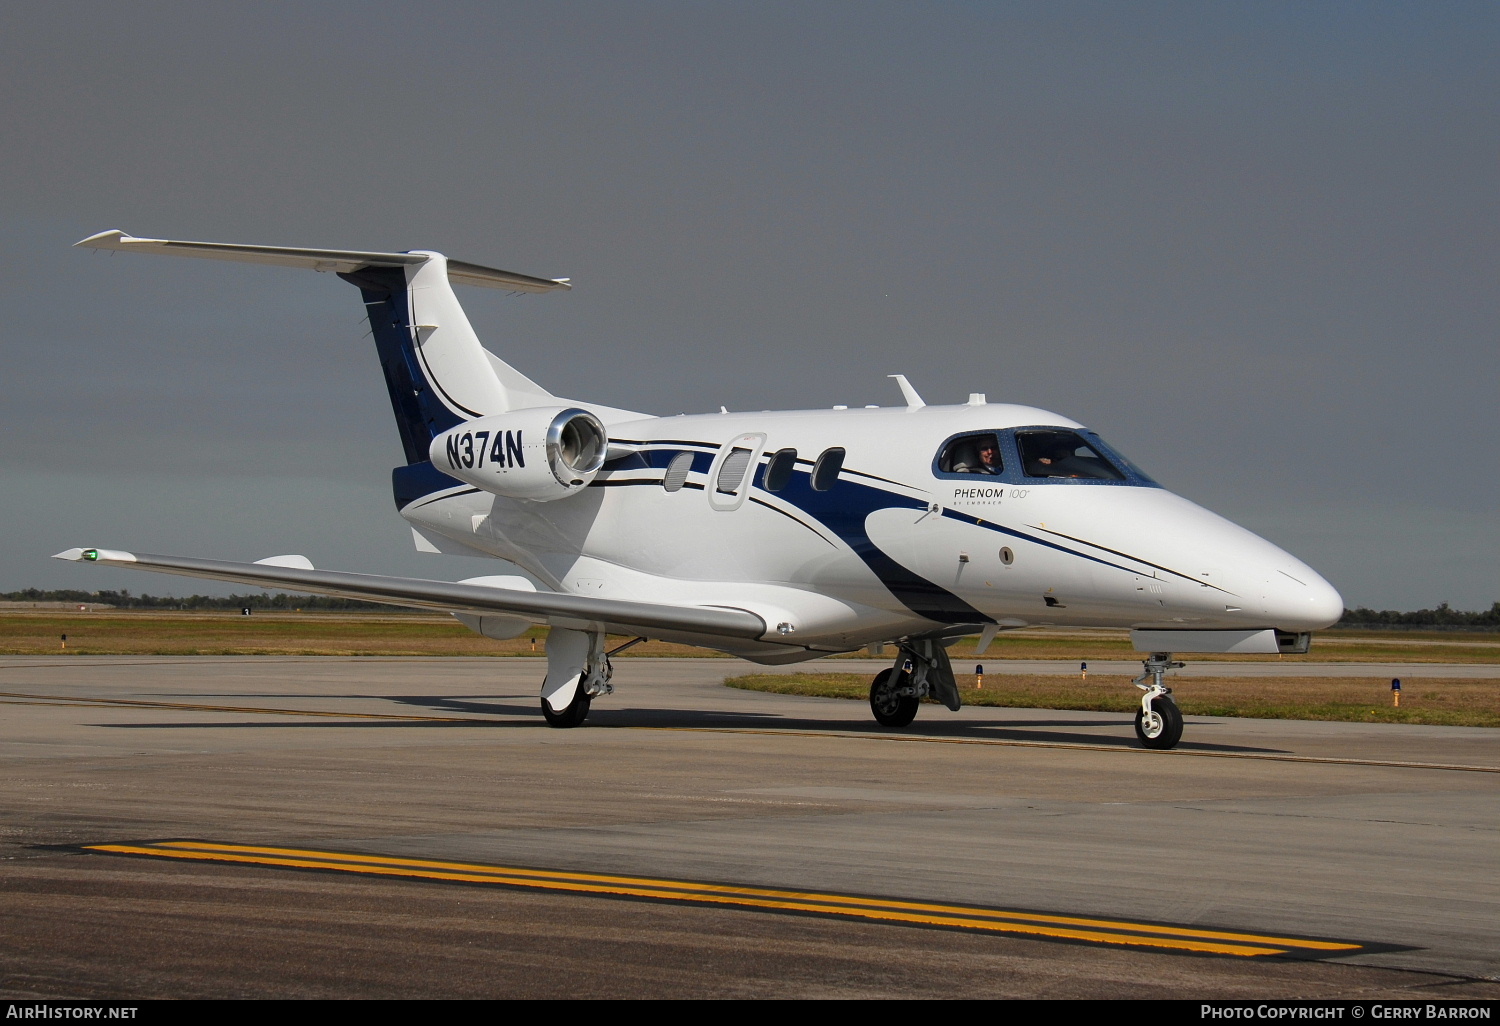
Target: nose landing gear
1158,722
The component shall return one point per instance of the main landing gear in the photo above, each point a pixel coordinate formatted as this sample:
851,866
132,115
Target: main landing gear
573,714
1158,722
578,671
922,668
892,698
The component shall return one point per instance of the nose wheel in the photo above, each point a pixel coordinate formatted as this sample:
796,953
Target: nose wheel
1158,722
1162,726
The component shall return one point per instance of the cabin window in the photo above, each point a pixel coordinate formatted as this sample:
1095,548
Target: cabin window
1063,454
677,472
779,469
732,471
972,454
826,470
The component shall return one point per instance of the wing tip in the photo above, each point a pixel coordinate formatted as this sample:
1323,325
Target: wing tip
95,556
104,240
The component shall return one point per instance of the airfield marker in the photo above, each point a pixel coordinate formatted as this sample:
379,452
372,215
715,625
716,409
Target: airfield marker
1396,692
979,673
1083,671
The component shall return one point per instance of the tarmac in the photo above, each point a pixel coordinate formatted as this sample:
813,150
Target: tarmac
378,827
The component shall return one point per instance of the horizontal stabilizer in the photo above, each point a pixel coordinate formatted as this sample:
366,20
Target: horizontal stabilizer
337,260
615,616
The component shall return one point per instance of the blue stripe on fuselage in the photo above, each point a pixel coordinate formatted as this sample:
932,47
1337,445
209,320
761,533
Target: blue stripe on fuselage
420,414
843,509
966,518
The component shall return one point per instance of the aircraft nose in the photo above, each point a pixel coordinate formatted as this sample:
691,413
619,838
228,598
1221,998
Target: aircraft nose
1306,602
1325,604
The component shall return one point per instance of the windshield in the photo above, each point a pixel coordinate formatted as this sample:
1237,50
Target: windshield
1063,454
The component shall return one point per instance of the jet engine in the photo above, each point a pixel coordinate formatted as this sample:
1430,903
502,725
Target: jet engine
539,454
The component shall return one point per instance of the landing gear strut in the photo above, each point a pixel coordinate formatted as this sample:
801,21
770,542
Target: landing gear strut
578,669
922,669
1158,722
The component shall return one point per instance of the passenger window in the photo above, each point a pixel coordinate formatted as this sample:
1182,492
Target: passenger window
677,471
779,469
972,454
732,471
1063,454
826,470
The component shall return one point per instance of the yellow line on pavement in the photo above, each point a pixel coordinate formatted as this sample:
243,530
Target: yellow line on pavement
1099,931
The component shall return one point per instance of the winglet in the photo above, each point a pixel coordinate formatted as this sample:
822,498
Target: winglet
104,240
913,401
95,556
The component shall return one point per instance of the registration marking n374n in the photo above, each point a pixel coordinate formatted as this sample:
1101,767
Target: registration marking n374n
915,913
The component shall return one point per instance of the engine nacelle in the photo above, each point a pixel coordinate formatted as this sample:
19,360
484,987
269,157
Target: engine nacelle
539,454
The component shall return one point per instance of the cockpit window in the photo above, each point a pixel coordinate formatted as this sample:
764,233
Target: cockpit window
1119,459
972,454
1063,454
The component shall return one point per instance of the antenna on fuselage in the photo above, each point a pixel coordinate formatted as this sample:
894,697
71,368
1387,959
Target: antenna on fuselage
913,401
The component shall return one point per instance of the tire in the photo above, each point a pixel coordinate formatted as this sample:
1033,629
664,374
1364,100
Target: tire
891,709
573,716
1166,731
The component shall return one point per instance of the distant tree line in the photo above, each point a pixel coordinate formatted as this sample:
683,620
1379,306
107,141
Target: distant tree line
124,600
1443,617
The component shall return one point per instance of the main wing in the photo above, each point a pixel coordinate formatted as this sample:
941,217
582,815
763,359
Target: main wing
569,611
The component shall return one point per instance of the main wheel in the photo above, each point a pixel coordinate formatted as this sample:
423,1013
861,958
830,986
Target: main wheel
891,709
1163,728
574,715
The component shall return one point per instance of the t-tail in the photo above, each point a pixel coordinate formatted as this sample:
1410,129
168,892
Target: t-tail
436,372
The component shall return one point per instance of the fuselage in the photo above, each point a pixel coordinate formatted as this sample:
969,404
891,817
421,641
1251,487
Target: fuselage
907,533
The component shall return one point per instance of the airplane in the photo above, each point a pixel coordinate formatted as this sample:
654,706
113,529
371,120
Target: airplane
776,537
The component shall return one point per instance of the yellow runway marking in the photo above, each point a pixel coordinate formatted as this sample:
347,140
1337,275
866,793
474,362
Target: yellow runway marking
968,917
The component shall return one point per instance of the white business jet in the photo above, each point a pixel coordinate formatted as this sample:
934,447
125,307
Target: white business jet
775,537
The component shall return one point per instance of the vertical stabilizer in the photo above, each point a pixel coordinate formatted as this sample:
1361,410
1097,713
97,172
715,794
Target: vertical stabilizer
461,369
436,371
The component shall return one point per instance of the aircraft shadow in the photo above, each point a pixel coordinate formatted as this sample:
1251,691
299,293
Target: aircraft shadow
1053,731
1060,730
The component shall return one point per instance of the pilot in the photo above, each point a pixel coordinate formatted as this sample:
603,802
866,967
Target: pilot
1060,461
988,461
